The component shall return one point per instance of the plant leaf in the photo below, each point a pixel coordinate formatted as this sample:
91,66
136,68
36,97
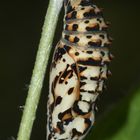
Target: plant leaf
122,123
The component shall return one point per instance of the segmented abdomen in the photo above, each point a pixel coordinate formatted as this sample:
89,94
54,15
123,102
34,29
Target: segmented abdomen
78,72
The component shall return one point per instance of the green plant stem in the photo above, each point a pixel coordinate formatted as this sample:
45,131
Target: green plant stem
39,69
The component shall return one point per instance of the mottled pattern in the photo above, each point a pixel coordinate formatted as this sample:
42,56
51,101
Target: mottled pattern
78,71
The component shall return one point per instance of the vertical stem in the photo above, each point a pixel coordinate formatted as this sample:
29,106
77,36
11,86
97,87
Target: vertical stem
39,69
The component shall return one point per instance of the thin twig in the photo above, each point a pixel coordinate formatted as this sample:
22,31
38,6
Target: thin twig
39,69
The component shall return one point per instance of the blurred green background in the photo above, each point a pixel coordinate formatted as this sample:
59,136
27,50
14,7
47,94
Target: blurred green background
118,117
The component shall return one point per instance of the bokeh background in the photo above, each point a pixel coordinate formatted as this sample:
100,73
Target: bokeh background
118,117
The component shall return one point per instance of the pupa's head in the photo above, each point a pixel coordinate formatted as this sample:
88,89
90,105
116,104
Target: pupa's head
76,3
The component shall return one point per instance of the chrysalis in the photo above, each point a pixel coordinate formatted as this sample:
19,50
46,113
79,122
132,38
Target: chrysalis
78,71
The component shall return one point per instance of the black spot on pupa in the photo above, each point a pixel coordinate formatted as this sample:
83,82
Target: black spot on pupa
92,43
76,53
55,81
83,78
90,62
87,21
74,68
69,9
67,37
77,109
64,60
66,27
58,100
91,91
94,78
58,55
49,137
67,121
67,48
74,13
89,36
88,122
89,52
95,44
98,19
71,74
76,39
75,133
103,53
51,107
82,8
91,13
75,27
94,28
66,73
70,90
102,36
61,114
50,127
82,90
82,68
82,84
60,126
80,98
